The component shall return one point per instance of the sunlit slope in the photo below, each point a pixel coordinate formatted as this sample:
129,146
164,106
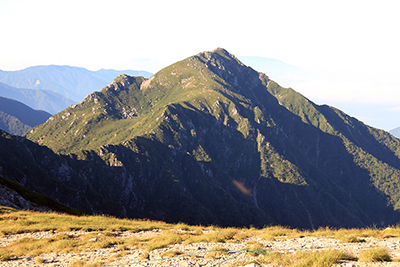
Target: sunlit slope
227,139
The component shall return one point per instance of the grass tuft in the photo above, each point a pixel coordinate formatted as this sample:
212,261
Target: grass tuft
216,236
171,253
353,239
216,252
162,241
256,249
105,232
145,256
325,258
375,255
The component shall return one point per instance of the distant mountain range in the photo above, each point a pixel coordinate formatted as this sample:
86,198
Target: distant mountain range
209,140
395,132
17,118
72,83
46,100
277,70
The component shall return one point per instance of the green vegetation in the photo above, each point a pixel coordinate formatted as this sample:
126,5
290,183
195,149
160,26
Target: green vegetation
208,141
12,124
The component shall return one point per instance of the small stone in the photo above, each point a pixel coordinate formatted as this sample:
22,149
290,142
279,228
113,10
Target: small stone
93,239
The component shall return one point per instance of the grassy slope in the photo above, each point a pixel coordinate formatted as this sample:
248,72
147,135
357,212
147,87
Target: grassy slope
273,140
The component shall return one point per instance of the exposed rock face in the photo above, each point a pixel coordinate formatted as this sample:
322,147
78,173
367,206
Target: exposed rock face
11,198
121,82
209,140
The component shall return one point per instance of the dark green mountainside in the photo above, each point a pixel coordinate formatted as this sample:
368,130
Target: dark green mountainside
15,195
209,140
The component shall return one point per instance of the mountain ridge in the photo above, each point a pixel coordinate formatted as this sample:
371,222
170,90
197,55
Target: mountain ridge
395,132
71,82
46,100
17,118
209,140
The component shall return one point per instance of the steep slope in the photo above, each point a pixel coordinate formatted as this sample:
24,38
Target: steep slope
16,196
48,101
12,124
155,183
17,118
210,140
71,82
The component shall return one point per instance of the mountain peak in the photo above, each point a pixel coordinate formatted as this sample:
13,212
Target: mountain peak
122,82
209,132
221,52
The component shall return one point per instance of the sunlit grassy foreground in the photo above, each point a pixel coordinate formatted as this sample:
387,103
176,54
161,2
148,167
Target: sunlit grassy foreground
103,229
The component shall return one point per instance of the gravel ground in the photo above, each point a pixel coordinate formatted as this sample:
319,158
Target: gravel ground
195,254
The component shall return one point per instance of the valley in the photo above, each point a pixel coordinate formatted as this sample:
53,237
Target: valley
191,133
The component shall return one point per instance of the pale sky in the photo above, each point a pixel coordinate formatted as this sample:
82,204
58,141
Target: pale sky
351,47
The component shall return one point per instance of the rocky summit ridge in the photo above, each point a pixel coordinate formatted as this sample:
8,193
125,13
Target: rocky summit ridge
209,140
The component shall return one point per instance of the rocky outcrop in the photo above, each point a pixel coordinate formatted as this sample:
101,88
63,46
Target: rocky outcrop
209,140
10,198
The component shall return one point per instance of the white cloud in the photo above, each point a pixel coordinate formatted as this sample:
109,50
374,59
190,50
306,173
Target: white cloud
315,34
397,109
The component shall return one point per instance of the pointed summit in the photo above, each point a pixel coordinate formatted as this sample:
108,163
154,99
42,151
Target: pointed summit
203,81
220,53
121,82
175,147
223,52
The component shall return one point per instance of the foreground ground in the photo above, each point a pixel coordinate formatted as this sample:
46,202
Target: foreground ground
50,239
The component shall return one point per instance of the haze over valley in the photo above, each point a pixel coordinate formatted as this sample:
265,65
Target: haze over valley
204,134
142,119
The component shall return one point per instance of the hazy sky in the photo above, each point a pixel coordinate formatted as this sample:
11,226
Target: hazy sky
350,48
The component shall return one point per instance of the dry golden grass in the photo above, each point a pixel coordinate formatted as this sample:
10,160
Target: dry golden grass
216,252
256,249
60,243
375,255
100,232
324,258
39,260
145,256
162,241
171,253
343,234
221,235
79,263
